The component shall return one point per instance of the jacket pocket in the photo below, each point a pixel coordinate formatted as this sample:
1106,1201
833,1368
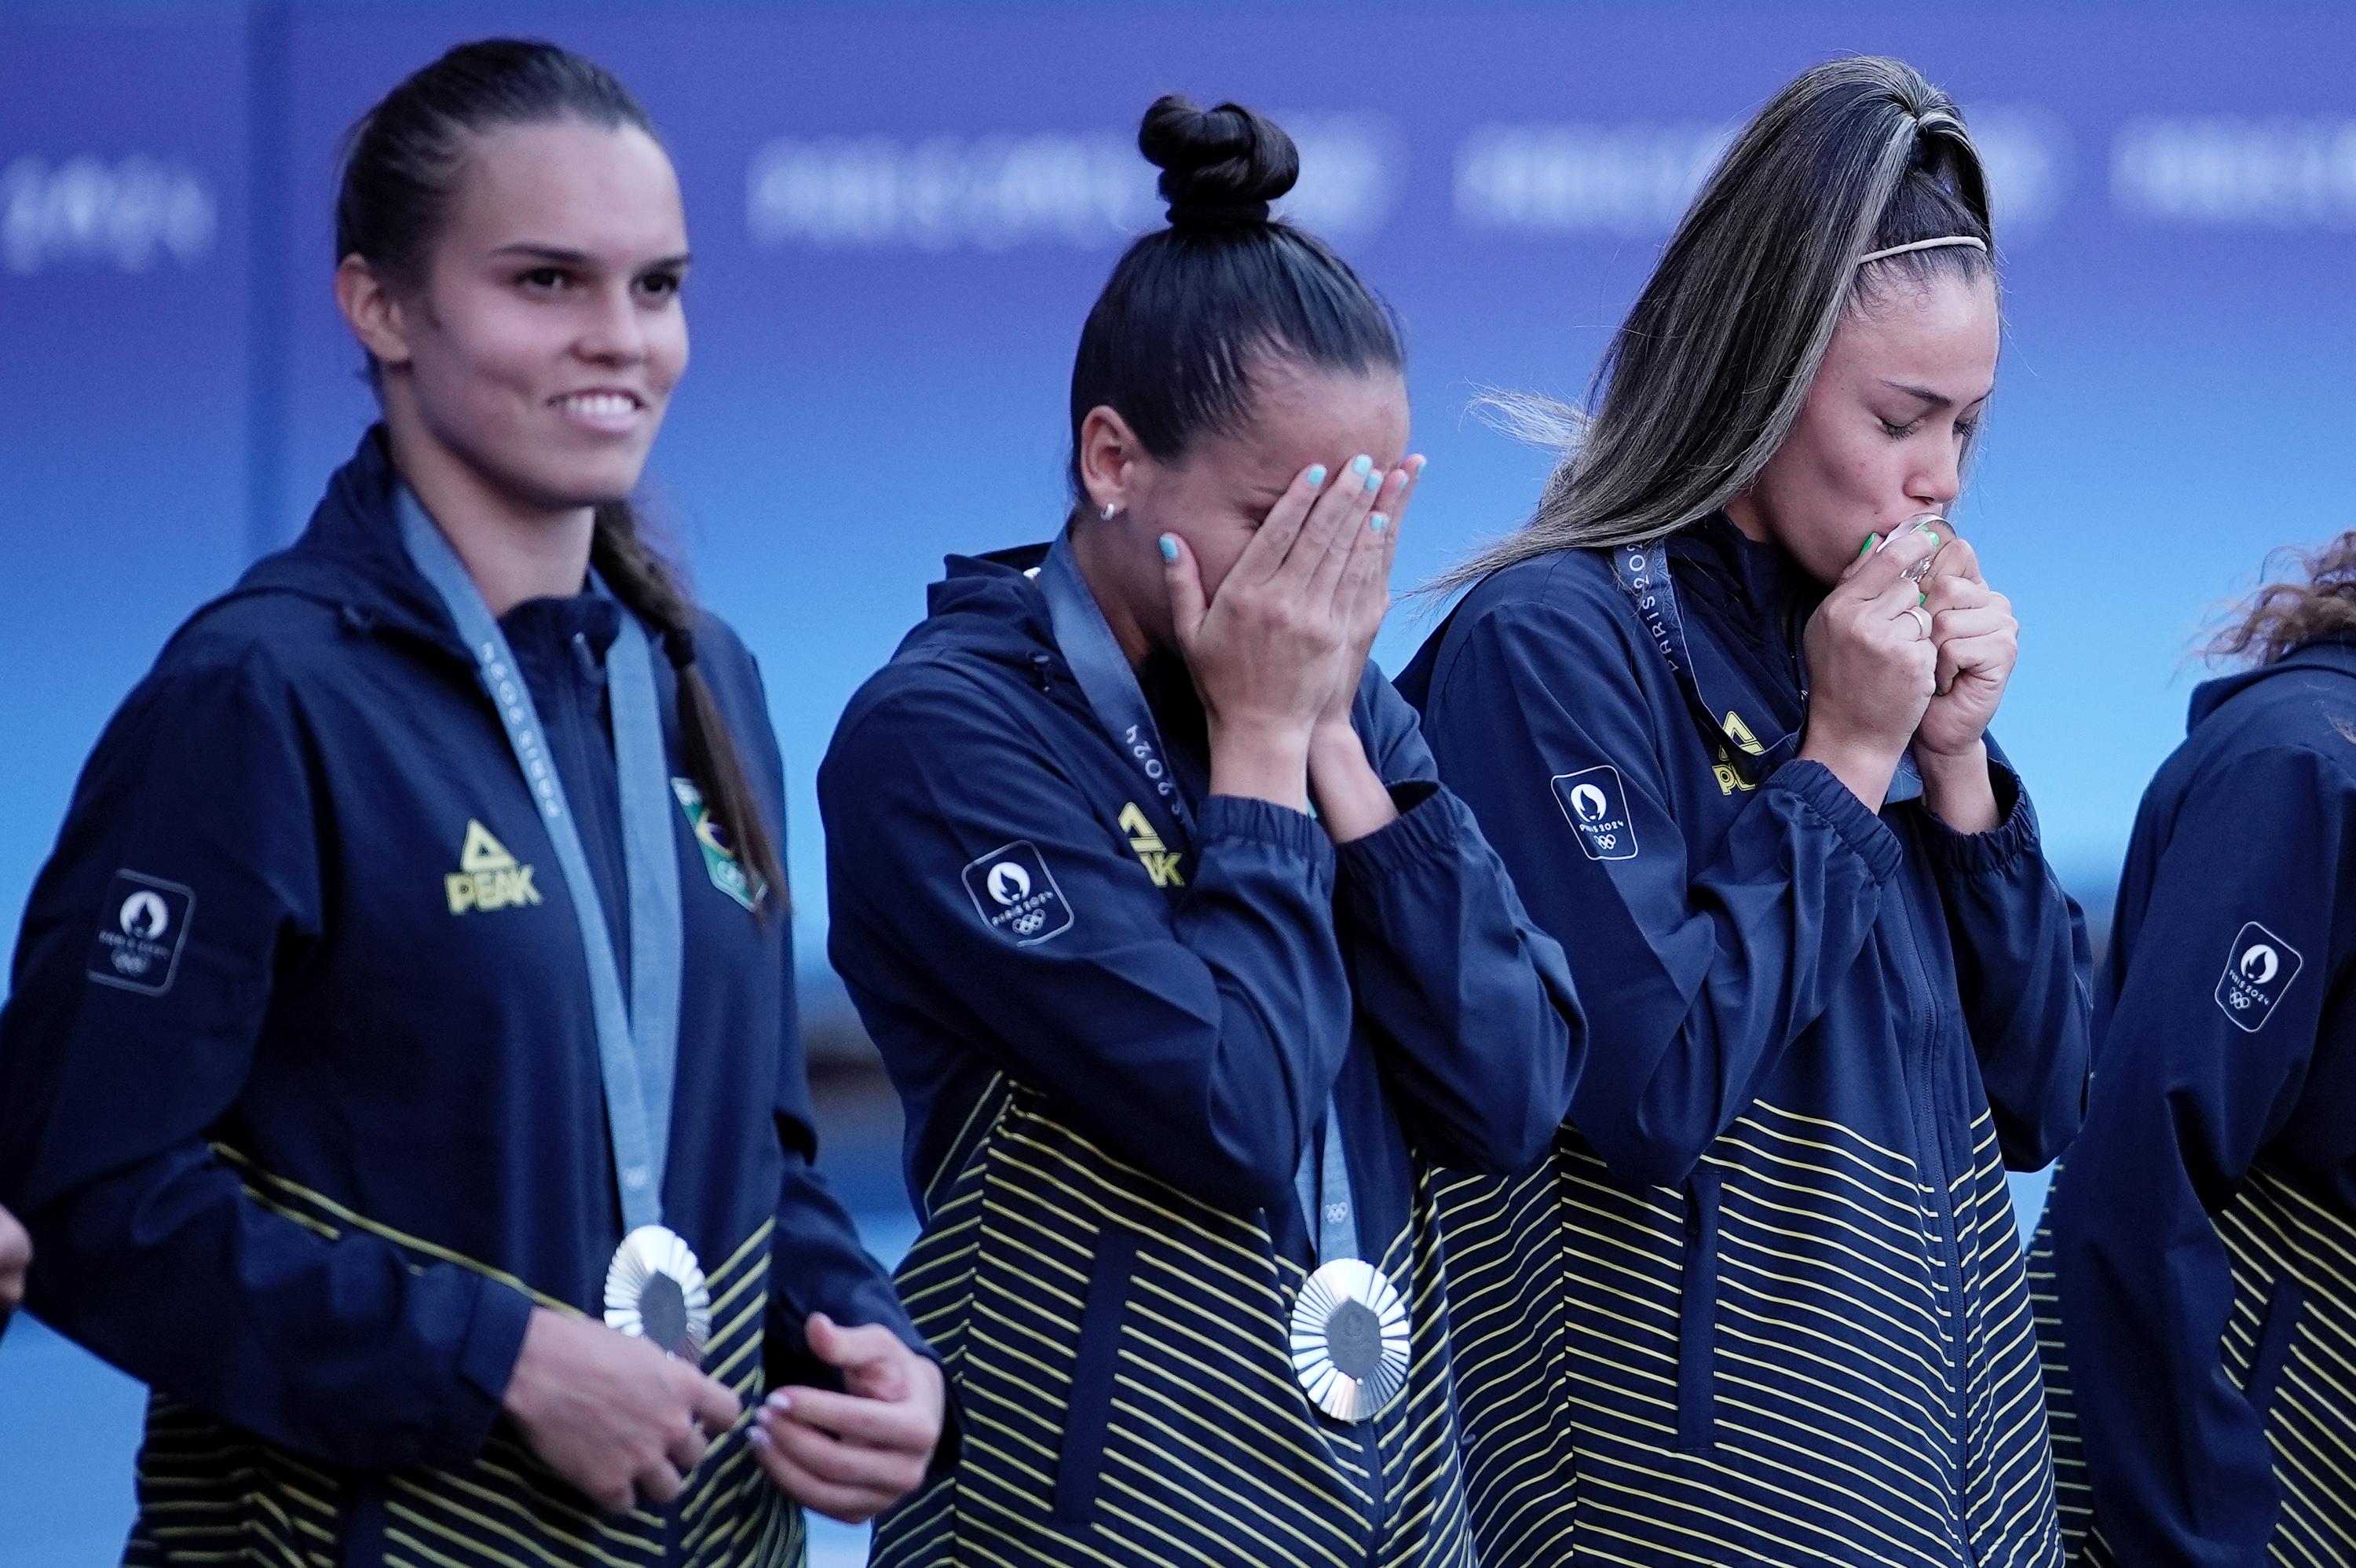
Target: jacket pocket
2284,1304
1697,1317
1088,1415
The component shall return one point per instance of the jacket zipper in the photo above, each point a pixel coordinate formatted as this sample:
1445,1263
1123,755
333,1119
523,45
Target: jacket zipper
1923,1093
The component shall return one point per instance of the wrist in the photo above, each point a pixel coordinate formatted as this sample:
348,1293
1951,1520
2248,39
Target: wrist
1260,761
1865,768
1957,788
1351,799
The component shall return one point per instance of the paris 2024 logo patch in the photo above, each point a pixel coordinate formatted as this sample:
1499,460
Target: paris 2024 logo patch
143,926
1016,895
2259,971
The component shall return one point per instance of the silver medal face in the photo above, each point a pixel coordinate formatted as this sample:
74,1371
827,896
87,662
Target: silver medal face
1350,1339
655,1288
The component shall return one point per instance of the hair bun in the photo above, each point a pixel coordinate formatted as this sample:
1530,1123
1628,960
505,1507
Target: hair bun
1220,167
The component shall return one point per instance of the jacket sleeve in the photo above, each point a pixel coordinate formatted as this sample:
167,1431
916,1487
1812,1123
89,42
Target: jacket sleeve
1471,1007
184,879
1197,1038
2022,961
2197,1071
1696,967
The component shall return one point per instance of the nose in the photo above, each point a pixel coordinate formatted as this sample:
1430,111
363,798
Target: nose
613,332
1940,479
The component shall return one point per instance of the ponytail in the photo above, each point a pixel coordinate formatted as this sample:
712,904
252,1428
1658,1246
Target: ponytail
641,579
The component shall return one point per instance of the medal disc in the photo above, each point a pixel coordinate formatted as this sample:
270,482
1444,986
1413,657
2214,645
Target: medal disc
655,1288
1349,1340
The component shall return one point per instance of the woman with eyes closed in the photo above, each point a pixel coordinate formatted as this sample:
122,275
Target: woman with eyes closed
401,1075
1184,966
1722,707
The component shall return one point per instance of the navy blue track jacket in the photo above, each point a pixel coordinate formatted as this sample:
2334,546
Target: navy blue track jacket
1110,1081
1768,1306
2203,1238
299,1091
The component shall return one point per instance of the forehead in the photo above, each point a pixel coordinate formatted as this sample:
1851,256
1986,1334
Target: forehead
1944,331
1304,413
569,184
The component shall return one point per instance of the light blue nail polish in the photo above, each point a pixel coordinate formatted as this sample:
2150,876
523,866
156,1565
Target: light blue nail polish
1168,548
1360,464
1374,480
1378,522
1316,475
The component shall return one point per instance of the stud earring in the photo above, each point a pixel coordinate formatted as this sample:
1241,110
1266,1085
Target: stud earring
1109,512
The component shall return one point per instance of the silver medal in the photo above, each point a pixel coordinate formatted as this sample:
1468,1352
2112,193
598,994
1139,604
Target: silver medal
1350,1339
655,1288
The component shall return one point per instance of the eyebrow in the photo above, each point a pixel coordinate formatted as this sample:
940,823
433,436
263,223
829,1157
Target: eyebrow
559,254
1930,399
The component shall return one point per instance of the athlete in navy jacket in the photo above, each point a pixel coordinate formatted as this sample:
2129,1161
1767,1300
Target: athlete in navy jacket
2203,1238
1776,1310
303,1090
1167,1052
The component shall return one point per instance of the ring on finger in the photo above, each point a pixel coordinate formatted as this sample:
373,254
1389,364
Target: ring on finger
1921,618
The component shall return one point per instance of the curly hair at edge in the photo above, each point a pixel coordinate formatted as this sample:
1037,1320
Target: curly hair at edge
2318,601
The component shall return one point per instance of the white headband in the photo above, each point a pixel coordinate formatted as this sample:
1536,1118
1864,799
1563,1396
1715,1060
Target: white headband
1979,245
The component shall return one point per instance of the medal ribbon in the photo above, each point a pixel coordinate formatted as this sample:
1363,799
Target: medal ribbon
637,1041
1108,682
1643,572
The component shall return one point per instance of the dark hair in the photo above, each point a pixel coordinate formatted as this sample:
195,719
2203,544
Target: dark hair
1704,380
2319,601
1193,310
401,163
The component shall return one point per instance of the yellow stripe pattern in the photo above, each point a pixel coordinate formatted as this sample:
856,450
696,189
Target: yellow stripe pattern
1210,1455
209,1494
1772,1365
2273,1230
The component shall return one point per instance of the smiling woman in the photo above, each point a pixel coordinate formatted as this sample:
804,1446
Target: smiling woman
341,1077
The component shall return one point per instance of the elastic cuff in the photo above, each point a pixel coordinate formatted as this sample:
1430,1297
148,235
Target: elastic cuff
1295,832
485,1360
1820,789
1424,831
2014,835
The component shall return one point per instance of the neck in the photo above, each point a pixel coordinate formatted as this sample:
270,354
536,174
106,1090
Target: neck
1743,513
513,551
1091,554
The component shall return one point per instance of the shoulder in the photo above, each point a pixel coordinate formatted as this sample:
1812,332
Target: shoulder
933,703
2297,724
263,636
1552,615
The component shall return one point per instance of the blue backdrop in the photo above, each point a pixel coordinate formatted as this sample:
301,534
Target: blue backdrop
901,213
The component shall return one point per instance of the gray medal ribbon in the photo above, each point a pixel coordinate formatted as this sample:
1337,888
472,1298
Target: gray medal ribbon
637,1041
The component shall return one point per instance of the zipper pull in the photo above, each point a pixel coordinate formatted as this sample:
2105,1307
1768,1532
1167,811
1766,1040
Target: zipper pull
1041,664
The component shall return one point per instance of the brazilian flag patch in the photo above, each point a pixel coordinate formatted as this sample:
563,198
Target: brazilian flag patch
720,860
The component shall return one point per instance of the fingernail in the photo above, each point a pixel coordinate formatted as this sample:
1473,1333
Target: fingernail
1416,464
1360,464
1378,522
1921,598
757,1438
1168,548
1316,475
1928,528
781,1400
1871,541
1374,480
